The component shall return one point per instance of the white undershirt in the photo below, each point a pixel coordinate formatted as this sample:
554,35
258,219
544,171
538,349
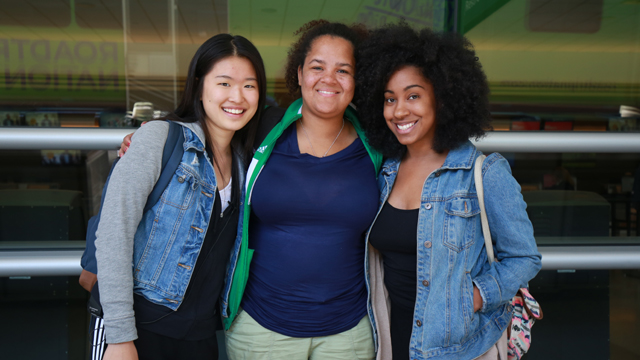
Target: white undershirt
225,196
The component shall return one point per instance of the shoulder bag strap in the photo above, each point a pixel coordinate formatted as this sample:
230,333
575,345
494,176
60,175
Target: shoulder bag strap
477,173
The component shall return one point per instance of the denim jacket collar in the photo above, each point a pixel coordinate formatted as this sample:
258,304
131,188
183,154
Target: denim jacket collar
194,139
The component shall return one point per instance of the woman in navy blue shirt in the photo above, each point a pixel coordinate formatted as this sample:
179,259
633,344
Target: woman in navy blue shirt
311,196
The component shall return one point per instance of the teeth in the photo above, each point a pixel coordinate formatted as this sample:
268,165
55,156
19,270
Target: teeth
233,111
326,92
406,126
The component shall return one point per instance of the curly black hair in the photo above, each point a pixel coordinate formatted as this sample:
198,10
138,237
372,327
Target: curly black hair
446,60
311,31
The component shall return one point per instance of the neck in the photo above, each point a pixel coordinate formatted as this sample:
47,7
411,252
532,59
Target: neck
423,152
220,144
220,141
321,127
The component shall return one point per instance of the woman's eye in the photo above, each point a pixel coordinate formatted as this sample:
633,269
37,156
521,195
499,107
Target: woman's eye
316,68
389,100
249,86
413,97
224,84
341,71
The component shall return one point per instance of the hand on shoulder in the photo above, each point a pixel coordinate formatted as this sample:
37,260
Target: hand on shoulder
126,142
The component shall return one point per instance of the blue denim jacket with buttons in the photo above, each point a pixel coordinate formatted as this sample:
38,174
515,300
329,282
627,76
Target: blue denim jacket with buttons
451,258
170,235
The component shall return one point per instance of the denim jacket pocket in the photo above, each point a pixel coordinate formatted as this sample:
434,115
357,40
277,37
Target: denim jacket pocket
180,192
460,222
467,300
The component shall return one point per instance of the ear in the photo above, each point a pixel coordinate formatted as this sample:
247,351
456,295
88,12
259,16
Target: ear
299,75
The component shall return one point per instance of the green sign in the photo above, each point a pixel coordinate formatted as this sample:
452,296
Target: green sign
473,12
43,69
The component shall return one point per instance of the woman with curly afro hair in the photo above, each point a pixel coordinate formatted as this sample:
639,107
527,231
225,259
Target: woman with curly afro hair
421,96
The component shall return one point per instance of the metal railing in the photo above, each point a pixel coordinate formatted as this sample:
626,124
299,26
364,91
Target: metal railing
501,141
67,262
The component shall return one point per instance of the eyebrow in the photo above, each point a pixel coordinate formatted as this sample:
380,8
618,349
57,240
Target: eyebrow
230,78
406,88
323,62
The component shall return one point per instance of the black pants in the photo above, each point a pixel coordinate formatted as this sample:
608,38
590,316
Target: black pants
153,346
149,344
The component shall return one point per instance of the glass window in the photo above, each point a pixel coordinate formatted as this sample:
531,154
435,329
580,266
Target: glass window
47,196
580,198
609,297
558,65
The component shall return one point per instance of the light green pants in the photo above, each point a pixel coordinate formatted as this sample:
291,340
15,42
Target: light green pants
248,340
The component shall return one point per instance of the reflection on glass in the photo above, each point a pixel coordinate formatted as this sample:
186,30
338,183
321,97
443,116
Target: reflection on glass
47,196
587,315
562,60
104,14
585,198
43,318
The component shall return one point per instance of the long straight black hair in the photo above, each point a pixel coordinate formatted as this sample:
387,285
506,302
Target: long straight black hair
190,109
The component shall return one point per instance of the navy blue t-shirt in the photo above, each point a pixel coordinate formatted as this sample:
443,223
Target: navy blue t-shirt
307,229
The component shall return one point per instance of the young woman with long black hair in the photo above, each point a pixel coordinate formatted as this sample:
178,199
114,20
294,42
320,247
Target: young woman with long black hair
161,272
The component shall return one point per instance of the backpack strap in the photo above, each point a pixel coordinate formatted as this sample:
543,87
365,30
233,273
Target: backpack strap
88,260
270,117
171,157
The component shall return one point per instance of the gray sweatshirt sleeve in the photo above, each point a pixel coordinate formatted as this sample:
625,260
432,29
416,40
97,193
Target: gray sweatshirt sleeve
132,180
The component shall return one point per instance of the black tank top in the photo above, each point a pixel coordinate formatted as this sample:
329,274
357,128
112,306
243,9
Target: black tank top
395,235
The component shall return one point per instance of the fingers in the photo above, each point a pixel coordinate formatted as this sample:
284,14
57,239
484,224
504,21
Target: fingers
124,146
123,149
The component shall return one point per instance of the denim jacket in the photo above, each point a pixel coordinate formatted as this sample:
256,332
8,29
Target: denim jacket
451,258
171,233
156,250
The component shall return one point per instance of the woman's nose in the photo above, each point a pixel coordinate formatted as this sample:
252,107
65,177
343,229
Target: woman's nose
401,111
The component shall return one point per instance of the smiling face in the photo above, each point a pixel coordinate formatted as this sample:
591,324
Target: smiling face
230,94
327,77
410,107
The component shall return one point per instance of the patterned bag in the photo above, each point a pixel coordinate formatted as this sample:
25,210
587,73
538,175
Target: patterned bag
526,309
